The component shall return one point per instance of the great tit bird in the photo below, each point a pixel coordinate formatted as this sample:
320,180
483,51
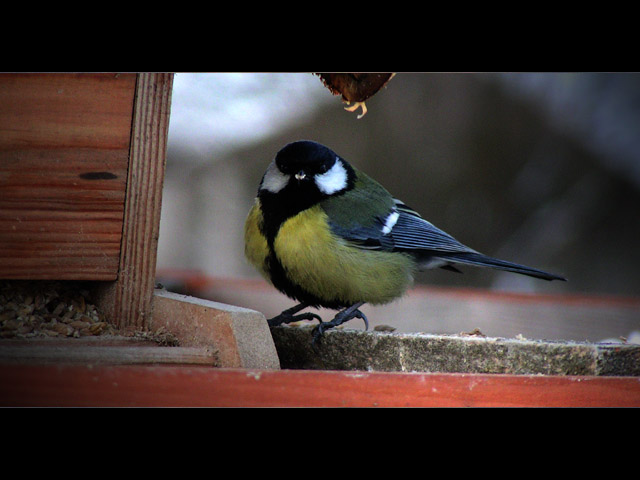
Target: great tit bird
327,235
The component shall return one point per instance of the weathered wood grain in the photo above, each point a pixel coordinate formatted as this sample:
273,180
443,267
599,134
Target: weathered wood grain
64,150
65,354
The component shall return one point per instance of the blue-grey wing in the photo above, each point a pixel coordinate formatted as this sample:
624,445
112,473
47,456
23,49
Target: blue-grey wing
401,229
412,232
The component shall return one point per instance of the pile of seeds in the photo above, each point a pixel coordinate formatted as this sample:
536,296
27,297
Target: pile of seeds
48,309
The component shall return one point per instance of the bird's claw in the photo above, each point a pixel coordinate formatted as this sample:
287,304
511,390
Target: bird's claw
355,106
361,315
288,318
339,319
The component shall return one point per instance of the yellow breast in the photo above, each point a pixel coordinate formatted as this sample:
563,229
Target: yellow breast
256,248
329,268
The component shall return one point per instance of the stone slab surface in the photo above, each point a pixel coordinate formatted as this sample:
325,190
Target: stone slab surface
347,349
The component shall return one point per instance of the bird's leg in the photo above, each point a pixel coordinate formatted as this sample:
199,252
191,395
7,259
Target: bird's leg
289,316
342,316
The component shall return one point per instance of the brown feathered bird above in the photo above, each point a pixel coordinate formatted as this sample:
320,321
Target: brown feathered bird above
355,87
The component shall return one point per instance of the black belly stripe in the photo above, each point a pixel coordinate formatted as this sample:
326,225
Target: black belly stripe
276,209
278,274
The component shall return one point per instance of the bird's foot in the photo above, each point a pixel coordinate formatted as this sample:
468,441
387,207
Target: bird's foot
355,106
342,317
289,316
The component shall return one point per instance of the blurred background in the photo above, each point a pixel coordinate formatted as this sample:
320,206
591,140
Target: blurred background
541,169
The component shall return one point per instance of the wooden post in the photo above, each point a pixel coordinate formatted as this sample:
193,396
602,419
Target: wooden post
127,302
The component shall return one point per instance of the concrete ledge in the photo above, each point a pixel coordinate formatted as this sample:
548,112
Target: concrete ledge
239,336
347,349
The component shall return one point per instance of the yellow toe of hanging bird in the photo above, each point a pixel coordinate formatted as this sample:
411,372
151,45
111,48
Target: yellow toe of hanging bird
354,107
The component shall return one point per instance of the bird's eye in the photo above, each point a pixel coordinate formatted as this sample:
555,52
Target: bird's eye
283,168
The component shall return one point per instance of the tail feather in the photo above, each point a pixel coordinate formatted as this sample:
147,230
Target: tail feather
480,260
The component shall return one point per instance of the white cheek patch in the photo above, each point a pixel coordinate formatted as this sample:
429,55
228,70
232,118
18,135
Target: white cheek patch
274,180
333,180
391,220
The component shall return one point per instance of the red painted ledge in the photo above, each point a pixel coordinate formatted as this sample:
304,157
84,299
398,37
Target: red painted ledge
200,386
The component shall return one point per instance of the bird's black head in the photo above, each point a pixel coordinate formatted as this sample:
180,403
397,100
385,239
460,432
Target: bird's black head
307,169
302,174
305,159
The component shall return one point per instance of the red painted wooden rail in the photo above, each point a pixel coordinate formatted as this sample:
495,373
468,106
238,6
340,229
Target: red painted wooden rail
198,386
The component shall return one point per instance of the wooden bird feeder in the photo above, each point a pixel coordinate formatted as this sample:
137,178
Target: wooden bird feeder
82,160
81,171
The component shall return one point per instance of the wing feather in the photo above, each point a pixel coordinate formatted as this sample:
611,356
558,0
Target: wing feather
412,232
409,232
